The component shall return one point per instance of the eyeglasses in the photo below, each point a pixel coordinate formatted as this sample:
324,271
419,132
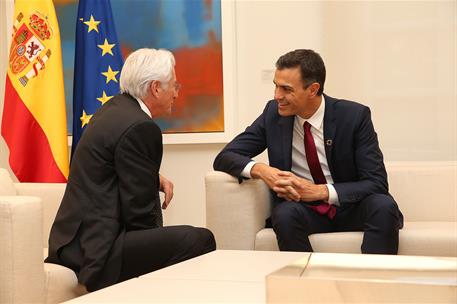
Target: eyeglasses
177,86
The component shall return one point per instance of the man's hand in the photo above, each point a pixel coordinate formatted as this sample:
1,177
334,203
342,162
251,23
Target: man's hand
268,174
303,190
271,176
166,187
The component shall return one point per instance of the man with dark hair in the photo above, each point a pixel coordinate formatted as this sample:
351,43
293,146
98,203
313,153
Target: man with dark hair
326,170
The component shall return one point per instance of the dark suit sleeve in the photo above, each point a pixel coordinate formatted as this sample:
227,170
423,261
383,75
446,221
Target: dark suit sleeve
239,152
137,162
372,176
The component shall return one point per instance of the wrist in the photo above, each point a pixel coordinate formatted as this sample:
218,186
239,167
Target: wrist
323,194
257,169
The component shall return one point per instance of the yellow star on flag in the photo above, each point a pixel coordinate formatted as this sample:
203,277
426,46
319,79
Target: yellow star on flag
106,48
110,75
85,119
104,98
92,24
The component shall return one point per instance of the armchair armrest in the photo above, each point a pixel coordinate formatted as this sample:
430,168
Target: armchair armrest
235,212
51,195
21,250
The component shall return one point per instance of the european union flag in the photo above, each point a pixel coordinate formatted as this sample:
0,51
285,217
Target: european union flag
98,62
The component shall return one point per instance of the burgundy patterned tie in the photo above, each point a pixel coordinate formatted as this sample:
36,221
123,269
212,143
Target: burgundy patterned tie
316,171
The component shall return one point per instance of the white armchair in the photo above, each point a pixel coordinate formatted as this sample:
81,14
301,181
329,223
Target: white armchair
425,192
27,211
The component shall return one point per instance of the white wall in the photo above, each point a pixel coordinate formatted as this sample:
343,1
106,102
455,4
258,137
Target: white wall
400,59
186,166
397,57
265,30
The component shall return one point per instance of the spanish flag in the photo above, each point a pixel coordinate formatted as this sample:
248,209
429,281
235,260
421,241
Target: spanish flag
34,118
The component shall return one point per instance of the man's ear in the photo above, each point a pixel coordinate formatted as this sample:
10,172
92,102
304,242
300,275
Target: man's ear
155,88
314,88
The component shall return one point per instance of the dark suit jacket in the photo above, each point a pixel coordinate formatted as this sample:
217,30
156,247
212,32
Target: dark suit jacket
113,187
351,146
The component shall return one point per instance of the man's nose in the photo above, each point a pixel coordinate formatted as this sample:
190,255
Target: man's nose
278,95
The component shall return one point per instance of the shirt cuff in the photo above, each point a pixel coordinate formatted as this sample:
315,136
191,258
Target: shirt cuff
332,195
247,170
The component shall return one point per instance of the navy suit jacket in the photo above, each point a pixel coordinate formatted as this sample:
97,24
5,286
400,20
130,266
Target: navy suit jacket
351,147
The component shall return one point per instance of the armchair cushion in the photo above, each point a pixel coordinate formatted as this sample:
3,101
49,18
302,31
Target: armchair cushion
423,238
61,284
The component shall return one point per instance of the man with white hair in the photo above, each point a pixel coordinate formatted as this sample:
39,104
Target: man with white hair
109,225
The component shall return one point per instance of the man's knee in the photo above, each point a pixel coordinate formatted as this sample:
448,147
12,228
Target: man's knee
283,213
289,215
381,203
290,222
199,240
382,206
207,240
191,238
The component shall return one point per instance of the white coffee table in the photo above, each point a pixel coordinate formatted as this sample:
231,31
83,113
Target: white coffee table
222,276
369,278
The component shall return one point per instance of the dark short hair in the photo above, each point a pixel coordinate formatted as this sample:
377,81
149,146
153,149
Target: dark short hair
311,65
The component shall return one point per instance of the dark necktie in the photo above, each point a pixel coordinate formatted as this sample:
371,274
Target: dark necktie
316,172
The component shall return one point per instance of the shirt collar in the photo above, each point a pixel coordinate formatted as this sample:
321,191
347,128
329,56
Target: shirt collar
144,107
317,118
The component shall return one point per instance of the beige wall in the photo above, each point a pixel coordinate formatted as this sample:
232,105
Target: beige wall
400,59
397,57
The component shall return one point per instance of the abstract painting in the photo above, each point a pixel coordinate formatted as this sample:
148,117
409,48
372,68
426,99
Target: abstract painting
191,29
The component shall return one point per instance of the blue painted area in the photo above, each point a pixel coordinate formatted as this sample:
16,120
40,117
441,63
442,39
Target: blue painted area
172,32
66,16
170,24
194,17
137,22
68,59
215,24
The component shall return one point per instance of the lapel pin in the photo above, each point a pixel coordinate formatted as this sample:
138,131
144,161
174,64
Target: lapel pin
328,142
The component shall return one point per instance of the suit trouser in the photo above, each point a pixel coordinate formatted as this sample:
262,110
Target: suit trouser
377,216
152,249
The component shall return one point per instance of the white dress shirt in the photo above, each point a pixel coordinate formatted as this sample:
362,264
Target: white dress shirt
299,164
144,107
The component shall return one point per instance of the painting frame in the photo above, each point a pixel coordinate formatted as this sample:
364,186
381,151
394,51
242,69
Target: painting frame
229,86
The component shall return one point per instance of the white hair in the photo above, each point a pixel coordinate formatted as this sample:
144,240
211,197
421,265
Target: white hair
143,66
